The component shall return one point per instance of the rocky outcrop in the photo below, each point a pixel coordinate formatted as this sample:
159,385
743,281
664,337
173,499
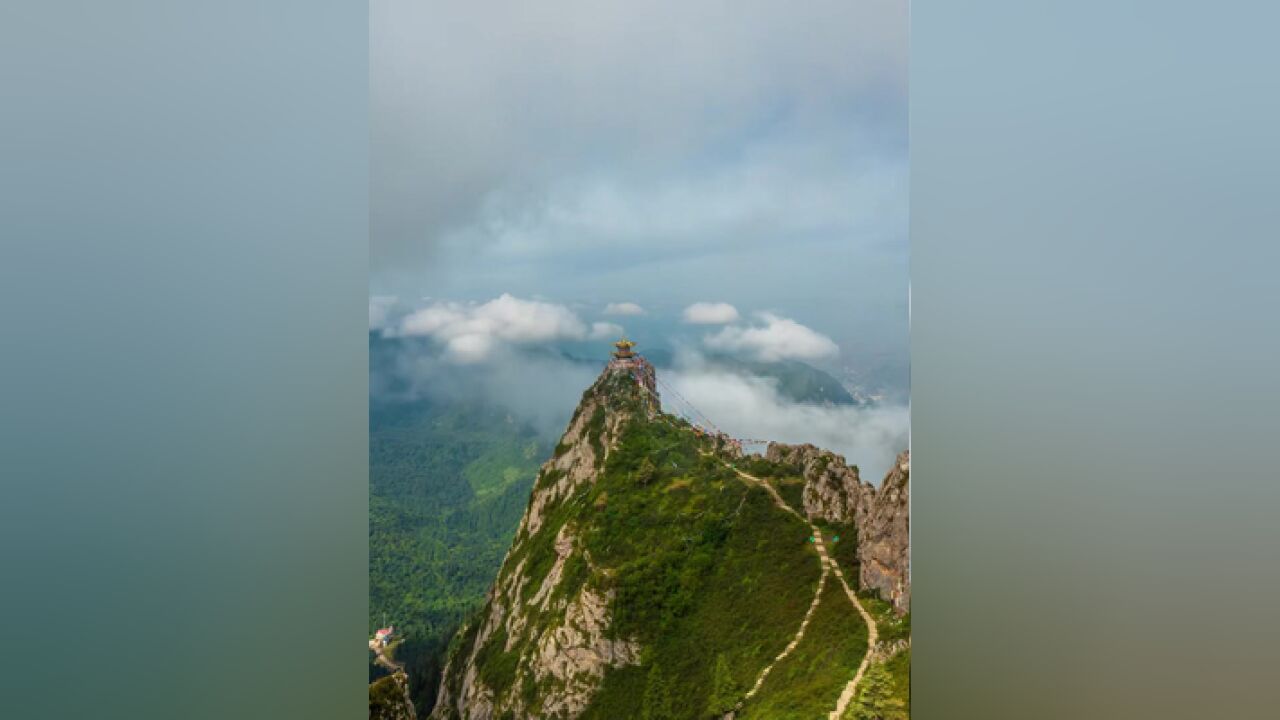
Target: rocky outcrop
389,698
574,654
886,649
884,537
551,635
585,444
834,492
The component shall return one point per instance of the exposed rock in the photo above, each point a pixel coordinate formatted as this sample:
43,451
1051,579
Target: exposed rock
886,649
834,492
586,443
576,654
884,537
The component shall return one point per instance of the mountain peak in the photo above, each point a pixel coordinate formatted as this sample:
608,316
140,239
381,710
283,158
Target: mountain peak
543,624
651,569
630,377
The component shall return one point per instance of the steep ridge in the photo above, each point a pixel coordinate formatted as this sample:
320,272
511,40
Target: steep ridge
570,651
648,577
833,492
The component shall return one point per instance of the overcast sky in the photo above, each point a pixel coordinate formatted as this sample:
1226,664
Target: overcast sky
628,160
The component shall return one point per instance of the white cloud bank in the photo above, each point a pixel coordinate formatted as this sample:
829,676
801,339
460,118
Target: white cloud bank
778,338
751,407
706,313
623,308
539,389
470,332
606,330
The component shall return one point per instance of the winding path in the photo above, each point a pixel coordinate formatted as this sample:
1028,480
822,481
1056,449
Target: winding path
828,565
873,636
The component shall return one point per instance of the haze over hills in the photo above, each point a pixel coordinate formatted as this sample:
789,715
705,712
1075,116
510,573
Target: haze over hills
657,573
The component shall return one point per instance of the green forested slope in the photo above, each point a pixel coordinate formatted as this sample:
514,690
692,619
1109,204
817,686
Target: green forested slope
712,578
448,483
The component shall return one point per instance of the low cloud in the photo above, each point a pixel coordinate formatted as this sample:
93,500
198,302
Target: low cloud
778,338
471,332
544,389
623,308
706,313
750,407
606,330
535,389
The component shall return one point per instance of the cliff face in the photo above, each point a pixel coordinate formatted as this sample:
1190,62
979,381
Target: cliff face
834,492
554,635
884,537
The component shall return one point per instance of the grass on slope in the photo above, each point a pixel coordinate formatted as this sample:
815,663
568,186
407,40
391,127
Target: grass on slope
791,488
711,577
899,667
807,683
880,696
788,480
845,550
892,627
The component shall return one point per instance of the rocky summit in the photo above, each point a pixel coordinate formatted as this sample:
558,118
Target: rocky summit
659,573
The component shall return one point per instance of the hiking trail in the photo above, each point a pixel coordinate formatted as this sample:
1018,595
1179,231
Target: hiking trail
828,566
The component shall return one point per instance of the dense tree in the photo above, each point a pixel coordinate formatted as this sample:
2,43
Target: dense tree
447,486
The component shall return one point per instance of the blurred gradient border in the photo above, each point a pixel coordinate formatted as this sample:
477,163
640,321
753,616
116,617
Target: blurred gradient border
1093,360
184,386
184,383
